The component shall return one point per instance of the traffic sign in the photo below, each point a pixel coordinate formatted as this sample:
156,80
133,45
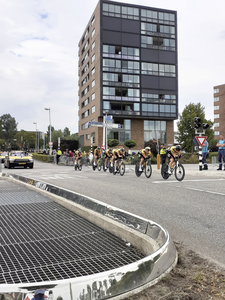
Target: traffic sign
110,125
50,143
95,124
108,118
201,140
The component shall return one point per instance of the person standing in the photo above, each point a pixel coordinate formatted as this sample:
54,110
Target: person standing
59,153
162,154
221,152
204,153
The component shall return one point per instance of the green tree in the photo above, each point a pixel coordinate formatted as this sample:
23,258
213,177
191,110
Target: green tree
66,132
48,132
25,138
8,127
130,144
186,131
113,143
56,134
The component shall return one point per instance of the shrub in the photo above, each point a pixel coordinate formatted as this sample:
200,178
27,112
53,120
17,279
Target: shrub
113,143
130,143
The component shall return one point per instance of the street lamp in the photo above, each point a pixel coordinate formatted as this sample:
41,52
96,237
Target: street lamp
50,142
35,137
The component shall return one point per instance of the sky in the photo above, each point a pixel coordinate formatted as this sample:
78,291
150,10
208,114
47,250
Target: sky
39,56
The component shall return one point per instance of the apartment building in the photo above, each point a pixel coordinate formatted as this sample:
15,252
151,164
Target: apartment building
219,110
128,69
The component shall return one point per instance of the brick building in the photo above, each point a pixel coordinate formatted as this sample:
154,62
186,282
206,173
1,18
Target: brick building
128,69
219,111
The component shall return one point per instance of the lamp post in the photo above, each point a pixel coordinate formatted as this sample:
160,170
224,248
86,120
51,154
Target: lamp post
50,139
35,137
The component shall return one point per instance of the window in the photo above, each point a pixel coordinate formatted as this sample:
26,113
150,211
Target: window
85,58
85,91
157,43
123,134
216,133
167,70
85,80
216,116
92,21
85,103
88,136
217,125
93,45
130,67
146,97
85,69
117,11
93,83
216,107
93,33
93,71
121,52
93,109
166,18
93,97
216,99
149,126
84,126
216,91
85,35
149,69
85,46
85,114
149,15
93,58
130,13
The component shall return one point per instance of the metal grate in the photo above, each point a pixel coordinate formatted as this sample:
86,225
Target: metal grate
41,240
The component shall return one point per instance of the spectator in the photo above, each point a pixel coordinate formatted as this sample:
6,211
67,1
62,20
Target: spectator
59,153
39,294
221,152
204,153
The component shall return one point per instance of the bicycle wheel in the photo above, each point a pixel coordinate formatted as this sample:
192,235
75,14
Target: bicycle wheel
137,172
75,167
164,171
94,166
179,172
80,166
148,169
99,165
122,168
111,168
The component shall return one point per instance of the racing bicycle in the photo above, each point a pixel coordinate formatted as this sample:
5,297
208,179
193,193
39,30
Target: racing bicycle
98,164
178,170
146,168
78,166
120,168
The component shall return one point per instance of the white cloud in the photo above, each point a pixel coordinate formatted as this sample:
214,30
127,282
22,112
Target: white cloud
39,56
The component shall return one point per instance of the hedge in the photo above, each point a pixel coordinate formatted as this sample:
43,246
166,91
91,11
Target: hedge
42,157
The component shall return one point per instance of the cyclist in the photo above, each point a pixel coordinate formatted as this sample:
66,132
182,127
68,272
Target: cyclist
144,154
117,153
78,155
108,155
97,154
173,152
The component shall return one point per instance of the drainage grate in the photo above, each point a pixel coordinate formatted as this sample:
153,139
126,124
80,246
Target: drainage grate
41,240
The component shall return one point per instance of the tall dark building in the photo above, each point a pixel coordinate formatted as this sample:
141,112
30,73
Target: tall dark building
219,110
128,69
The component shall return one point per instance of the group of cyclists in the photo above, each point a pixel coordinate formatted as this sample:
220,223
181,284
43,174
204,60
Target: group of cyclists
113,155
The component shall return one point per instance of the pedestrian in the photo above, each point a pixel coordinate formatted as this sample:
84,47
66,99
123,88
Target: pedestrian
39,294
204,153
162,154
221,152
59,153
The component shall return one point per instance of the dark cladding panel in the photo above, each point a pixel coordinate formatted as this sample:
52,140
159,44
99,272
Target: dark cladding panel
167,57
129,39
151,82
130,26
148,55
166,83
111,37
111,23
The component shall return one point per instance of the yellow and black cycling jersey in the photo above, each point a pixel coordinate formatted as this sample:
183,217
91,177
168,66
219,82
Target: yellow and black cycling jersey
97,152
144,154
114,151
108,153
117,153
78,153
172,151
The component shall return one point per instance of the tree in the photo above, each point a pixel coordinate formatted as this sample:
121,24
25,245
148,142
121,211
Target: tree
66,132
186,131
113,143
130,144
25,138
8,127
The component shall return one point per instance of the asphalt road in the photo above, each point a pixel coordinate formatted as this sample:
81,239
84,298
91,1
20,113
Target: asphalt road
192,210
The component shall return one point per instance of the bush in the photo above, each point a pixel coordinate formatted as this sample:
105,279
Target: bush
43,157
113,143
130,143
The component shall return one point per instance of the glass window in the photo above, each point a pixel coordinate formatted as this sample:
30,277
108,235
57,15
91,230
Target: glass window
216,99
93,109
93,33
106,105
93,97
217,125
93,83
93,58
92,21
216,107
127,124
136,107
92,71
216,116
93,45
216,133
216,91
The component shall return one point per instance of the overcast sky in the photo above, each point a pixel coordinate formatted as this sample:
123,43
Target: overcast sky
39,56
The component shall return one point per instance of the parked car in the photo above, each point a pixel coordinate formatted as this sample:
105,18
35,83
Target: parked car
18,159
2,157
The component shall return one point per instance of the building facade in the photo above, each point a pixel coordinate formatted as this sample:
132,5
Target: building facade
219,110
128,69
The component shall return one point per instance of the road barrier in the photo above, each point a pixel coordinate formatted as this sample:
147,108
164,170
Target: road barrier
151,238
